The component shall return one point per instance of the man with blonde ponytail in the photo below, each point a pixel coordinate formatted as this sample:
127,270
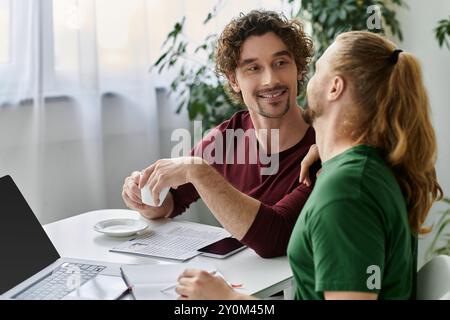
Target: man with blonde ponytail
356,237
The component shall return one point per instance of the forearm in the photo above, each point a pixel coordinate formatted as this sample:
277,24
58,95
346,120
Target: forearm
349,295
233,209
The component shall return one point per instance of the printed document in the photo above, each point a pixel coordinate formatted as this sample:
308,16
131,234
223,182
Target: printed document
174,240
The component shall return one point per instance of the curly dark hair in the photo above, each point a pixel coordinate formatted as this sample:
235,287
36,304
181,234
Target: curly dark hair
260,22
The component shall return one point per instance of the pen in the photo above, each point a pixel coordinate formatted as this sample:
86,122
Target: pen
127,291
173,286
129,286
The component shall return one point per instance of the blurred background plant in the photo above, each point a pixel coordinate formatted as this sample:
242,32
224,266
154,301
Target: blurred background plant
329,18
442,32
441,240
199,89
196,85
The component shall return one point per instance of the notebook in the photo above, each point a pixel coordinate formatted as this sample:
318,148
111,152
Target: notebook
151,281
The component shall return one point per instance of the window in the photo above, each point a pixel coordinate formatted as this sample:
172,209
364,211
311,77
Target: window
63,46
101,36
5,31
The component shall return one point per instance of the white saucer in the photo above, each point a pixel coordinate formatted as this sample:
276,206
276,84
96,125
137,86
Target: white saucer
120,227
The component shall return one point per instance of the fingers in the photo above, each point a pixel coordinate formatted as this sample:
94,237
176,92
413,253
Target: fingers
133,192
189,273
185,286
131,189
185,281
132,204
156,191
319,172
158,180
304,172
183,290
188,284
154,186
158,176
311,157
200,284
136,175
146,173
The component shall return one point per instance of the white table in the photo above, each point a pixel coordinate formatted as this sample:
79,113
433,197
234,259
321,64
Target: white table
75,238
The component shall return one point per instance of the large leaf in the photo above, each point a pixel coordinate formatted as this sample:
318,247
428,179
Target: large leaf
442,33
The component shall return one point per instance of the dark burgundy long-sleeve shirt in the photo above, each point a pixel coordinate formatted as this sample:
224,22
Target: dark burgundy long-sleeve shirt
281,195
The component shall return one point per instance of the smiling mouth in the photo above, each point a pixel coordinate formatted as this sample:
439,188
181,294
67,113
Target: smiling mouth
273,94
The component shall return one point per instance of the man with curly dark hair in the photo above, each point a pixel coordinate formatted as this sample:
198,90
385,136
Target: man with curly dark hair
298,44
264,58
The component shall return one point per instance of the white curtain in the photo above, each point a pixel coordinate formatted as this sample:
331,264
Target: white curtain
78,109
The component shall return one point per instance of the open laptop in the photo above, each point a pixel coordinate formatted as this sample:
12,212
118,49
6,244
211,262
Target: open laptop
32,269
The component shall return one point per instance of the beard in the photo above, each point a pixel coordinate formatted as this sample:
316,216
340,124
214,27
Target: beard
270,114
264,113
311,114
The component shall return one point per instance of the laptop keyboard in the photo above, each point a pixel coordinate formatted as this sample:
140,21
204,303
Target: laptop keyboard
63,280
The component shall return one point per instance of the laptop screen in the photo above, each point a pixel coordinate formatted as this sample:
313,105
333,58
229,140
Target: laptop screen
25,248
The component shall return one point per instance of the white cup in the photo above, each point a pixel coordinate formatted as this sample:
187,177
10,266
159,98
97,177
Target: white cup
147,198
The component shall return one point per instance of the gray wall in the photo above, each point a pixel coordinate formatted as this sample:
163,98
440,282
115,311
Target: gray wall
78,169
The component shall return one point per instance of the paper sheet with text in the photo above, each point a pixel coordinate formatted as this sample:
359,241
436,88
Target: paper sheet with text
174,240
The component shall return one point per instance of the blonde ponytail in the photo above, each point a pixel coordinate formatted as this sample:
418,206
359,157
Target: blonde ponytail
393,114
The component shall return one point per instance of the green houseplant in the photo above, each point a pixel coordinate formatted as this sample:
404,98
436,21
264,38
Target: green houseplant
441,240
329,18
196,85
442,32
201,91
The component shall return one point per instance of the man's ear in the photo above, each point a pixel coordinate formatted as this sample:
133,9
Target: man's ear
337,89
233,82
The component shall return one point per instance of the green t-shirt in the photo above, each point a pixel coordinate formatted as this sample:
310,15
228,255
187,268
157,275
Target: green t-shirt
353,232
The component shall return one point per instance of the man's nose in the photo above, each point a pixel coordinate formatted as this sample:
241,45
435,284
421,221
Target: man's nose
269,78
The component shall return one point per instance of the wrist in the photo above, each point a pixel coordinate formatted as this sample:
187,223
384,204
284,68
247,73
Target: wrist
197,169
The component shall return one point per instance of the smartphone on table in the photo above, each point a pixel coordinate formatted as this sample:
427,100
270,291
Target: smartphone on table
222,248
